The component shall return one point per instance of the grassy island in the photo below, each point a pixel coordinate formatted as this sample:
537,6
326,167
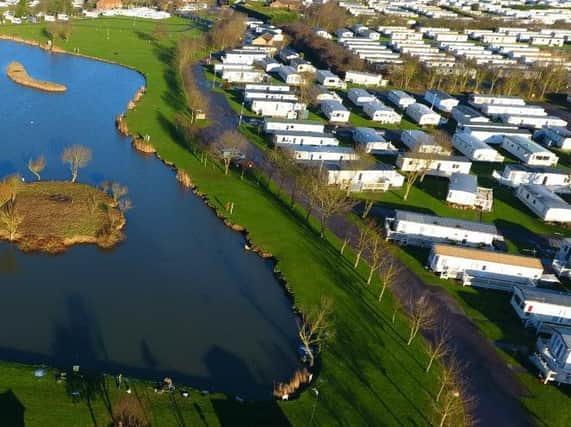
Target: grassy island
52,215
18,74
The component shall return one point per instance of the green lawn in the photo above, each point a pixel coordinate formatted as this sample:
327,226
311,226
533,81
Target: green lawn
367,375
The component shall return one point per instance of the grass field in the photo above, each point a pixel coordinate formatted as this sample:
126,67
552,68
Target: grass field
367,374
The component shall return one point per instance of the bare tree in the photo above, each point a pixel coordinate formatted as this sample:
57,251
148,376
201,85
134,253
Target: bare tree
439,345
454,403
316,327
76,156
11,219
228,30
388,272
5,193
14,183
362,242
421,312
444,142
118,191
376,247
331,201
125,205
311,184
229,146
36,166
129,412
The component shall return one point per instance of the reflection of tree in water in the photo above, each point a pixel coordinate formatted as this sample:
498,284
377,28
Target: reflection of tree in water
8,259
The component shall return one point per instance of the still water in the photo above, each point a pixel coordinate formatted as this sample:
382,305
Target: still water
179,297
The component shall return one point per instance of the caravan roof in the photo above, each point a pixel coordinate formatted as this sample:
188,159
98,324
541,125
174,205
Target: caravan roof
445,222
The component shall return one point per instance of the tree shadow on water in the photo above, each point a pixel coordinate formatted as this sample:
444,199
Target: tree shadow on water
11,410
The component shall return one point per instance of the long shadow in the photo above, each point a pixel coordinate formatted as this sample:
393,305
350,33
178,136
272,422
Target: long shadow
11,410
520,235
231,413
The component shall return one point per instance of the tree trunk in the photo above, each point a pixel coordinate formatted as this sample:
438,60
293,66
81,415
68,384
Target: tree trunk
226,167
371,271
74,175
37,175
357,259
442,386
408,187
345,241
382,293
432,356
368,206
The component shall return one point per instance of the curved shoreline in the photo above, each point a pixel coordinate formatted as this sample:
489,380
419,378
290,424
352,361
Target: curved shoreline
122,128
18,74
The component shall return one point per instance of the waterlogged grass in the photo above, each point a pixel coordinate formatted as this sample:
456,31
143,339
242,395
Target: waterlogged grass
367,375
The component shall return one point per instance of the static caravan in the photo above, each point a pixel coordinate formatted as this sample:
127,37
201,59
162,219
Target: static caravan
379,112
544,203
322,33
364,79
243,76
344,33
373,141
493,133
475,149
523,110
411,228
268,64
317,153
335,111
422,115
266,88
288,137
532,122
250,95
441,100
553,356
289,75
328,79
271,125
324,94
279,109
401,99
242,57
465,114
463,191
537,306
302,66
552,136
422,142
434,164
360,97
287,54
515,175
529,152
562,261
477,100
379,177
484,268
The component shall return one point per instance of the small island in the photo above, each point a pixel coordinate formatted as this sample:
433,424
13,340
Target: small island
49,216
18,74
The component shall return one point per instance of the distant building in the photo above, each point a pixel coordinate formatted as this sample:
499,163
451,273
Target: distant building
108,4
422,115
441,100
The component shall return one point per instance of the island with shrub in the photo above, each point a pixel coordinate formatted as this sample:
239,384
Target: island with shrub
49,216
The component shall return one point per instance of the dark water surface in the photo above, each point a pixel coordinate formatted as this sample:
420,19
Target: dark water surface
180,297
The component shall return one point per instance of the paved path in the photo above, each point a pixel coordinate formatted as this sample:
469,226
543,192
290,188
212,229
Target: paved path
492,383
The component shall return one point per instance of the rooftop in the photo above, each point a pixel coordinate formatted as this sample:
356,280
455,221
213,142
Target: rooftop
527,144
545,295
463,182
546,196
491,256
536,169
446,222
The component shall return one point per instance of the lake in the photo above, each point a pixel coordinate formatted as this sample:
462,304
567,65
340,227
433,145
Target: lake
180,297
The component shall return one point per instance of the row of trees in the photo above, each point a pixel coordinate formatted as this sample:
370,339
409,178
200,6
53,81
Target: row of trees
534,82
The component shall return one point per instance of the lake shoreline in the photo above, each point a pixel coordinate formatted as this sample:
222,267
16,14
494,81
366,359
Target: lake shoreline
186,182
